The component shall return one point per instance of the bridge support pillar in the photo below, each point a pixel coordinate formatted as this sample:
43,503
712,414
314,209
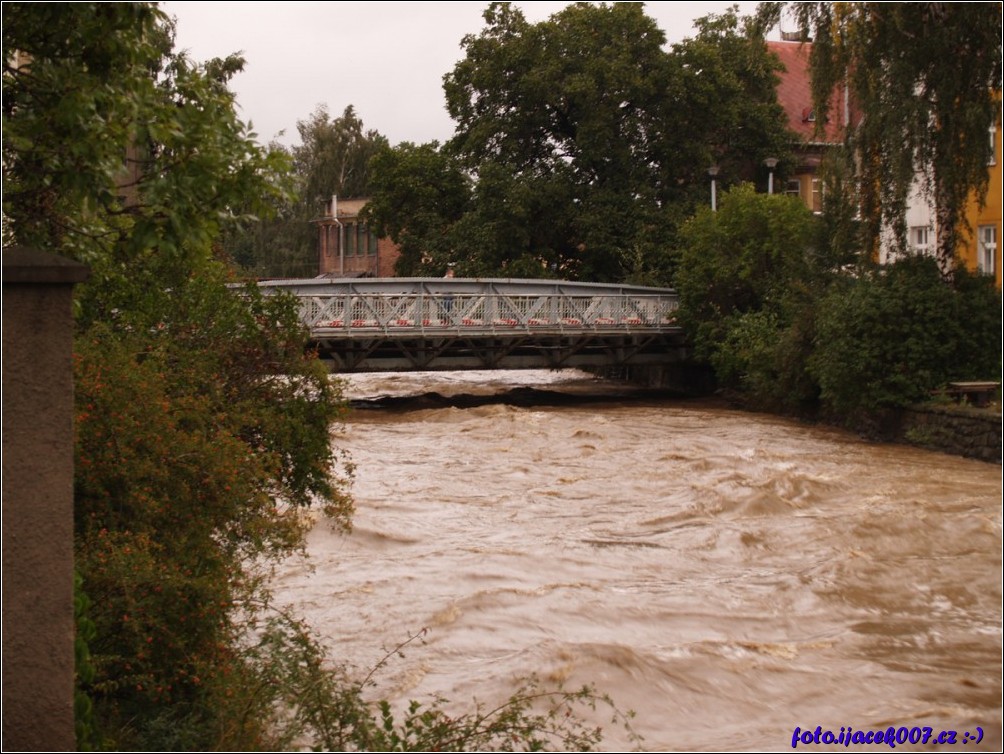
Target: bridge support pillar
38,629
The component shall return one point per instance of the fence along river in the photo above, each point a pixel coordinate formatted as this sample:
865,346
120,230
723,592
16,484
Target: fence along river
726,575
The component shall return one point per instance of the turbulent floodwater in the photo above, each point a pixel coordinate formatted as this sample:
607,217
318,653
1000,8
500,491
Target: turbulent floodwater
727,576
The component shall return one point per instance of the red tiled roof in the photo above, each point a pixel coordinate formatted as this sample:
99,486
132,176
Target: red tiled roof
794,94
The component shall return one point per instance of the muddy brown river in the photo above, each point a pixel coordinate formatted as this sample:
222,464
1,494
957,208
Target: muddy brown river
728,576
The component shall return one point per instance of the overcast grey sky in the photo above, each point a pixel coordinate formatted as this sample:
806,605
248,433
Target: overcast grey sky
387,59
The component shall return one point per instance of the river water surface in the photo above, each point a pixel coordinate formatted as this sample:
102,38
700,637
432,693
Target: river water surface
726,575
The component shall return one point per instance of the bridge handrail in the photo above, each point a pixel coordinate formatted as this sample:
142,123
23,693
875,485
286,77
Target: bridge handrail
433,286
398,306
486,312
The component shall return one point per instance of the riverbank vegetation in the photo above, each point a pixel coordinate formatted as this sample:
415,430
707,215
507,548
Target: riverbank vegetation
795,314
194,458
791,324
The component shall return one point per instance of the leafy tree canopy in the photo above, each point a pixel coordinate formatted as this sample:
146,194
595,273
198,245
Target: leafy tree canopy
747,278
333,156
927,78
202,427
418,195
119,152
561,122
725,91
587,143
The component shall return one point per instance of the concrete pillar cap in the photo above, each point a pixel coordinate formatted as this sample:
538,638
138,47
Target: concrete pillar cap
22,264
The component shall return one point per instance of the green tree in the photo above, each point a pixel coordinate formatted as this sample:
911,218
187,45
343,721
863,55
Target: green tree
724,97
65,135
202,424
561,120
888,337
419,194
333,156
118,152
586,142
927,79
748,277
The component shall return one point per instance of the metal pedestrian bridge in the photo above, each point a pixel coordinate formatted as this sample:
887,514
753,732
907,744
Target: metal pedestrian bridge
416,324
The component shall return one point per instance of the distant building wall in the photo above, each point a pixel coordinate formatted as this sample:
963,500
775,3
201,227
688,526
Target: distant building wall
979,247
346,246
979,235
921,228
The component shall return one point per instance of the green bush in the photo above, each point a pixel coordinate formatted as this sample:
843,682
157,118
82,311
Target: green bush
201,435
747,278
890,336
328,708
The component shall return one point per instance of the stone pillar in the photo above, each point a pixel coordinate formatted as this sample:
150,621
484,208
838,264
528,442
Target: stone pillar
38,500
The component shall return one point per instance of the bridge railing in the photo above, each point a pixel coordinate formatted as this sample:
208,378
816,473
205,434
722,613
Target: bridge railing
386,312
399,306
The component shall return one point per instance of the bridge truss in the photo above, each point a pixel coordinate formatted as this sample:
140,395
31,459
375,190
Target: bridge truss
406,324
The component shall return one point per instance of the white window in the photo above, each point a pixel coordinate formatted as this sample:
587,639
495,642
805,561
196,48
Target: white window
987,249
993,146
793,187
920,239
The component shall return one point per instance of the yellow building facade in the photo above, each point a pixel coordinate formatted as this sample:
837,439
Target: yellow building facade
979,245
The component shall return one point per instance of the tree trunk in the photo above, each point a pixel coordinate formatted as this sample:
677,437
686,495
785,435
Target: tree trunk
946,216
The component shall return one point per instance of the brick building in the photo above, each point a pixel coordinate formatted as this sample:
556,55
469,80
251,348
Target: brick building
978,246
347,247
794,94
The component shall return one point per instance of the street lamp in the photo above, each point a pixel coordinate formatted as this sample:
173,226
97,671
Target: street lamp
771,163
713,172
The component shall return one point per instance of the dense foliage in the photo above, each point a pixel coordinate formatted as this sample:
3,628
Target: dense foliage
772,306
419,196
581,144
891,336
202,426
746,280
194,456
927,79
117,151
